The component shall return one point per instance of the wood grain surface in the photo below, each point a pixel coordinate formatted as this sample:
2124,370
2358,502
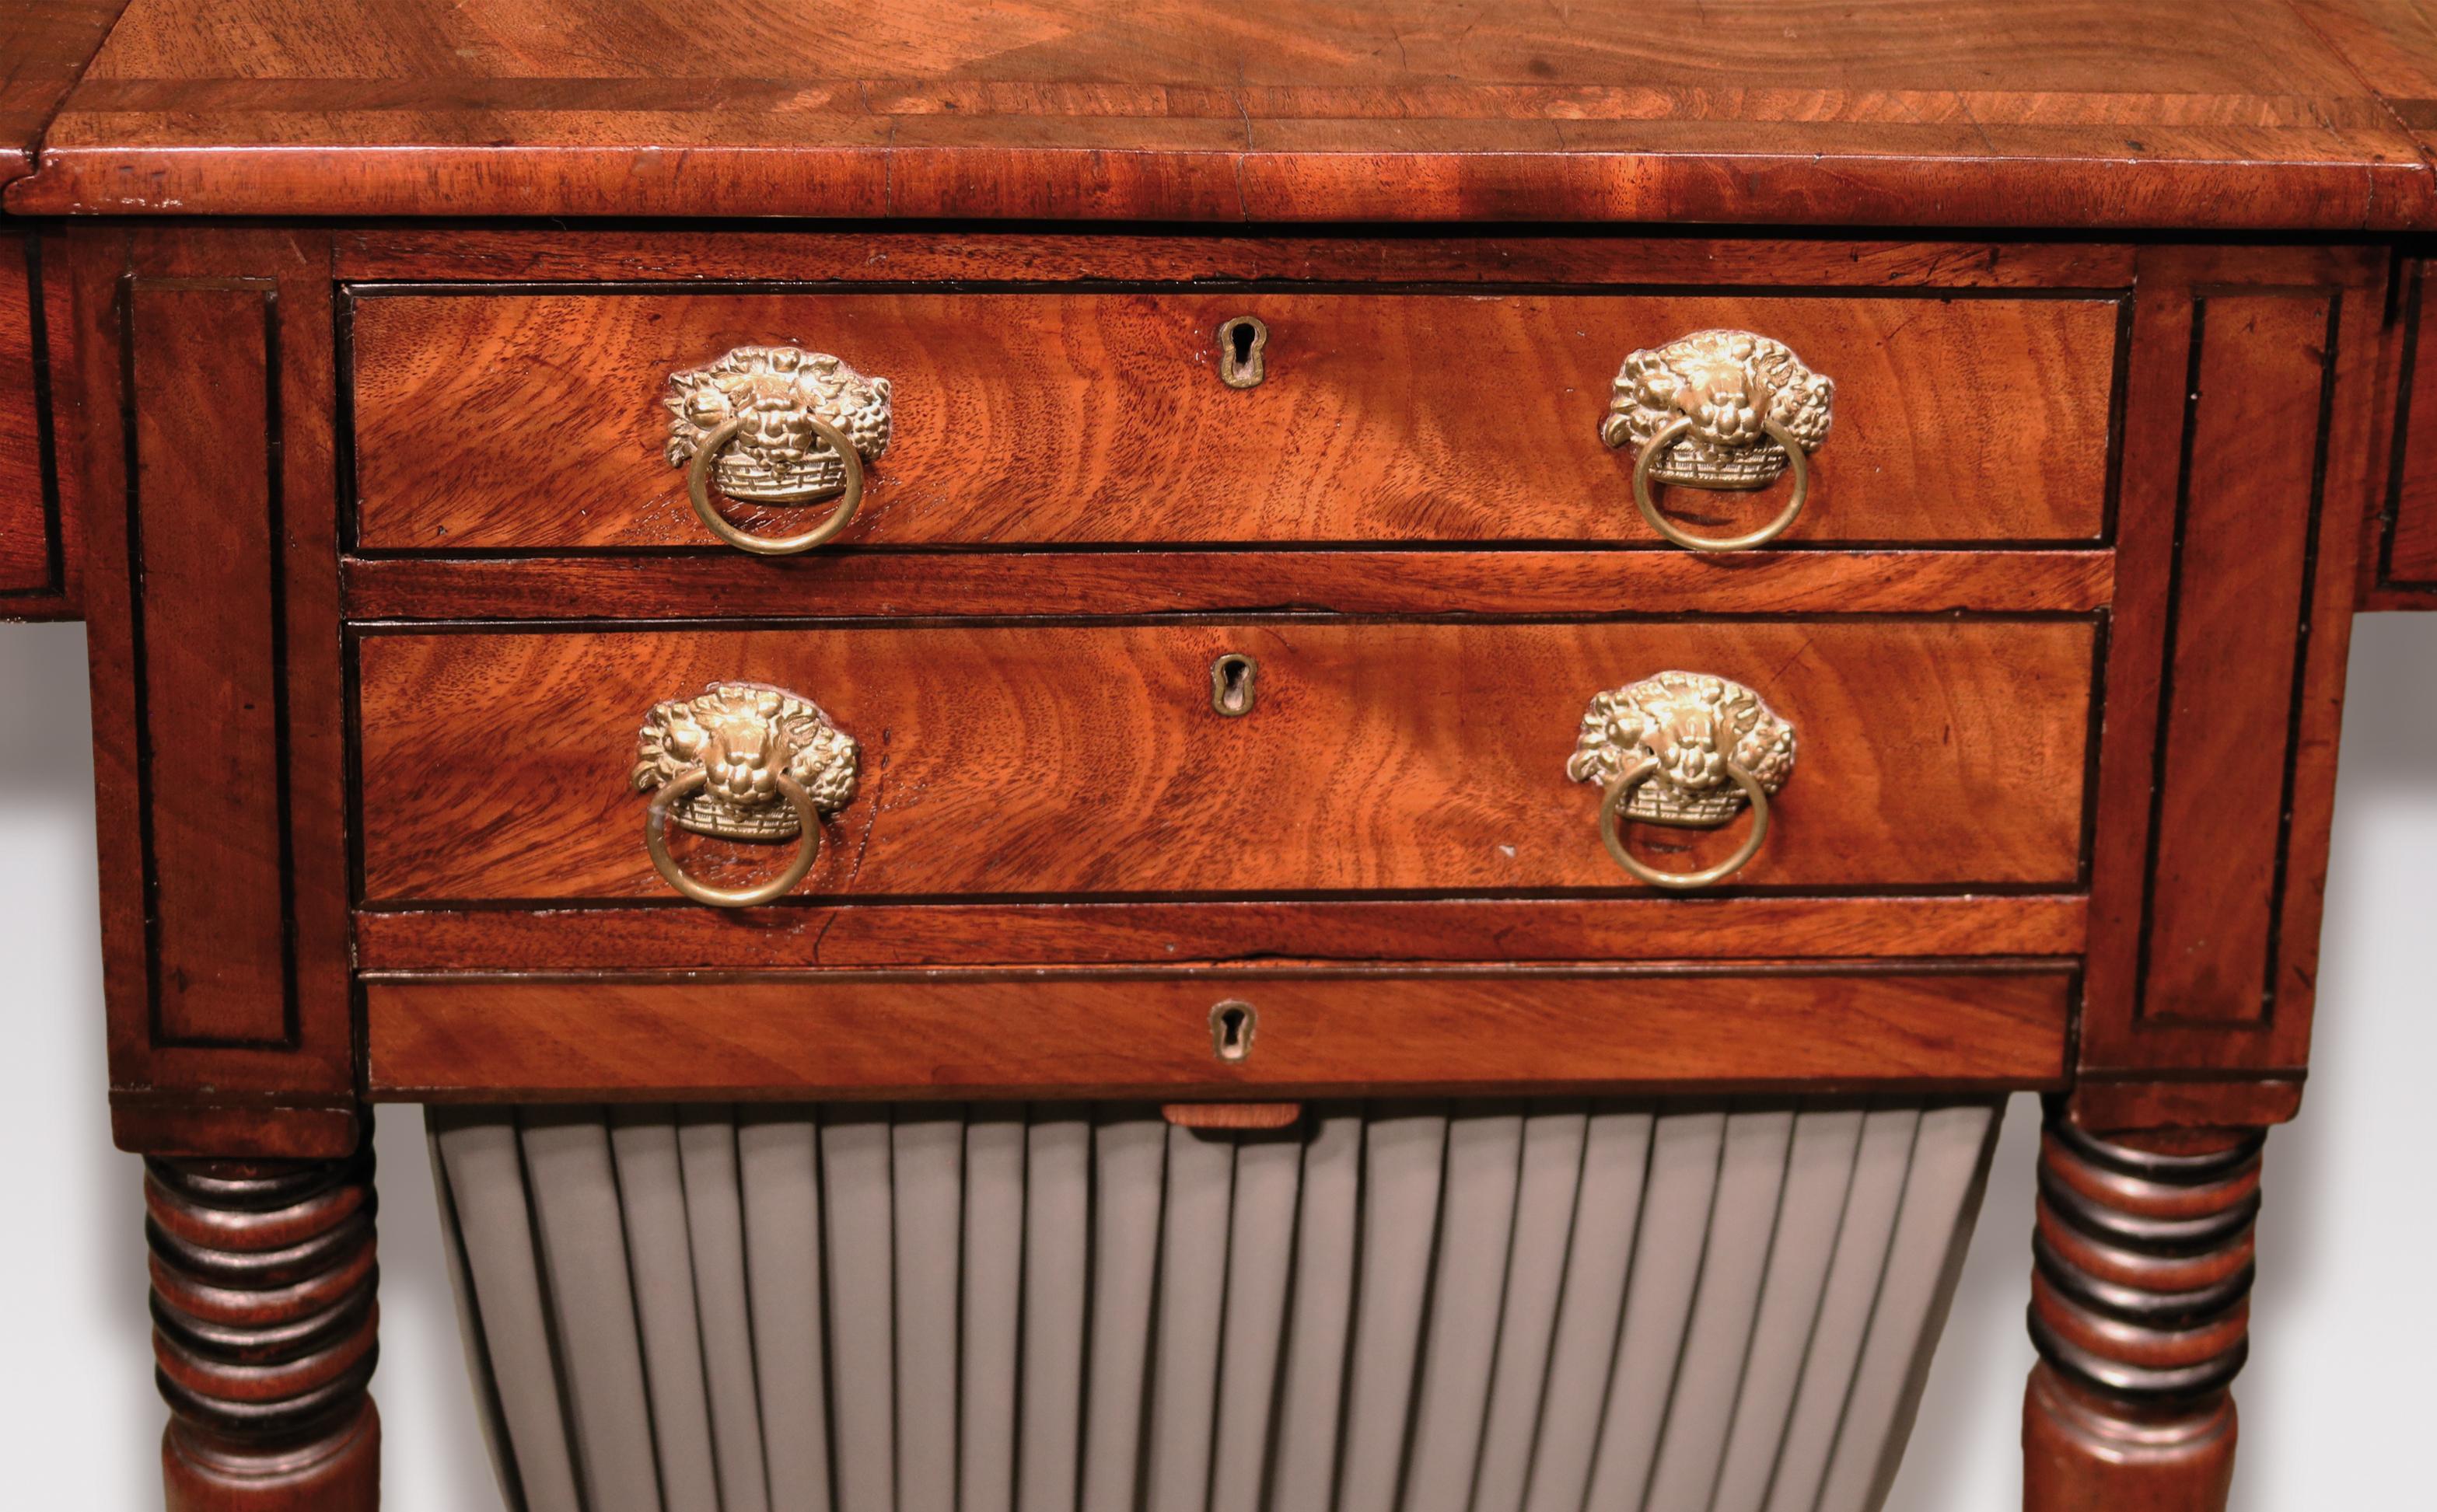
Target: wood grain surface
2141,1311
859,252
2017,113
1086,760
1119,1034
2410,560
218,746
2251,445
44,45
205,445
714,581
2391,46
42,487
535,422
265,1332
2247,529
27,505
644,935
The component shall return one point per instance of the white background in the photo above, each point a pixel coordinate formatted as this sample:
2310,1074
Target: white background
2334,1408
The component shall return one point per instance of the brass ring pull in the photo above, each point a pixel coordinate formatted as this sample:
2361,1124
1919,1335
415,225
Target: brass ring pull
1686,749
742,762
776,424
656,840
1676,430
1613,833
698,489
1724,410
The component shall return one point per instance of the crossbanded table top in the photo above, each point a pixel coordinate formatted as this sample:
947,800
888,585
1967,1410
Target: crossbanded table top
2201,115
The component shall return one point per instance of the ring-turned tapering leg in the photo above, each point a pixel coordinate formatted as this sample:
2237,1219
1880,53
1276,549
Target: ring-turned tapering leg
264,1331
2140,1308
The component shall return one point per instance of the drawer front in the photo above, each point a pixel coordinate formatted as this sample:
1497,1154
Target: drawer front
1061,760
1290,1033
535,422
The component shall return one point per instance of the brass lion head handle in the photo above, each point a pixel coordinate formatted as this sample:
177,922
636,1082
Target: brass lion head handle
776,424
1719,409
1684,749
742,762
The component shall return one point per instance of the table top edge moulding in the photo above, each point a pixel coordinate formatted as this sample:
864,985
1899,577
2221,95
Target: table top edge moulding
2250,115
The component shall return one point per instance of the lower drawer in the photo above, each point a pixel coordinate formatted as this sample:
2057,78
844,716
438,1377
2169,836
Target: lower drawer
1242,1033
1041,761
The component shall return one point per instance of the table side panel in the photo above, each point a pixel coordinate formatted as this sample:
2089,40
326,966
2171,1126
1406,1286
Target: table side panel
2248,461
216,662
41,536
2246,521
212,749
2408,565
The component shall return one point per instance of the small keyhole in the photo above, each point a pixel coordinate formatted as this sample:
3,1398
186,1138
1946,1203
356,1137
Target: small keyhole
1231,1029
1240,350
1231,684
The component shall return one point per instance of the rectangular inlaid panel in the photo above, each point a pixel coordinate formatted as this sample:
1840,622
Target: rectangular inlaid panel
205,387
535,421
30,556
2412,547
205,540
1135,1035
2247,522
1935,753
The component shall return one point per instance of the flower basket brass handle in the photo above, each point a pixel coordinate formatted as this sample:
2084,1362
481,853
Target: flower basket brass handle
1684,749
1719,409
747,762
776,424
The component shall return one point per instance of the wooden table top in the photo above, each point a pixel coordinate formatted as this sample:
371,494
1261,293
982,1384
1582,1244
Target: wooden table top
2225,114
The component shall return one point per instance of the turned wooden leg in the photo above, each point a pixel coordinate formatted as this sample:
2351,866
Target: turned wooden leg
2140,1308
264,1328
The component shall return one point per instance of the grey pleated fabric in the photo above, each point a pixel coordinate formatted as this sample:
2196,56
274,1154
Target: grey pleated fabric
1551,1169
778,1158
1818,1176
714,1186
660,1259
1057,1288
857,1225
469,1325
578,1220
1554,1306
992,1267
1468,1291
1192,1304
927,1167
1321,1321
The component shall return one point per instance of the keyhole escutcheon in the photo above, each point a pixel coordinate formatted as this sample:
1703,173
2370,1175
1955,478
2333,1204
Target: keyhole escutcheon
1231,1023
1240,350
1231,684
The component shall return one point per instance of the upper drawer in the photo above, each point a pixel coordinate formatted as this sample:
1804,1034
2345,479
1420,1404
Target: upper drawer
999,761
536,422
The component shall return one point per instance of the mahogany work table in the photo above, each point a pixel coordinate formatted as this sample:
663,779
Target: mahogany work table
1519,615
